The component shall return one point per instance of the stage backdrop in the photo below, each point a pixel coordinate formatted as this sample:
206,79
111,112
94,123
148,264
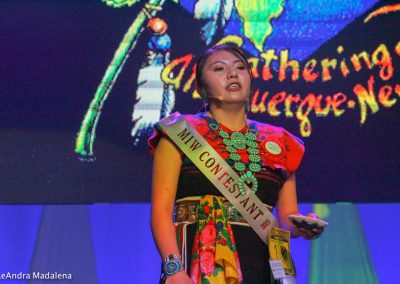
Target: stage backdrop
83,82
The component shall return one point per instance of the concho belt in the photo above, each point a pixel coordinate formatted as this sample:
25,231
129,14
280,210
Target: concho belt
188,211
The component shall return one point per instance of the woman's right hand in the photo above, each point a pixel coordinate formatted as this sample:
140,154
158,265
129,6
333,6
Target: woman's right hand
179,278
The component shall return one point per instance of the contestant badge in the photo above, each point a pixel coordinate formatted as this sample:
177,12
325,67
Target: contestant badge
279,248
273,148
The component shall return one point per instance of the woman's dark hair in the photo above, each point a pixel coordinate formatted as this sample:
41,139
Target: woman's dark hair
235,50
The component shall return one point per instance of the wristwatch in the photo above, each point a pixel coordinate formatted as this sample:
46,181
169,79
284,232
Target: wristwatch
172,264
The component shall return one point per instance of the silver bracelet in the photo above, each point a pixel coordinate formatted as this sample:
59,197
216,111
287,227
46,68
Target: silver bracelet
172,264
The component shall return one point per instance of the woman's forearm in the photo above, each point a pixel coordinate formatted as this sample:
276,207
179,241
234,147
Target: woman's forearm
164,233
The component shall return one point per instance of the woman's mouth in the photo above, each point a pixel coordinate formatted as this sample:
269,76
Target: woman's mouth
233,86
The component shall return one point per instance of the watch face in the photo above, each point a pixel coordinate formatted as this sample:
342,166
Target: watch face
172,267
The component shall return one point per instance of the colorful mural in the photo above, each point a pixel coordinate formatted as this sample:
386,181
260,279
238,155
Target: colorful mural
253,25
80,95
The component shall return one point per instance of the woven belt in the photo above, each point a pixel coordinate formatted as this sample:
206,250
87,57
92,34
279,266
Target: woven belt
188,211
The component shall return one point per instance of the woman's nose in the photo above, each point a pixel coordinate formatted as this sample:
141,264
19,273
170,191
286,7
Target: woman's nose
232,73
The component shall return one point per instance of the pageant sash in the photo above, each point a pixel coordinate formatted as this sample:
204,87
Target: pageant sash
219,172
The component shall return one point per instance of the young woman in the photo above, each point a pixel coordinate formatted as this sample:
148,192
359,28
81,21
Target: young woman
208,241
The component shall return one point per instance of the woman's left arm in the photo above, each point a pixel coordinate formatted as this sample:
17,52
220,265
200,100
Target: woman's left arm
287,205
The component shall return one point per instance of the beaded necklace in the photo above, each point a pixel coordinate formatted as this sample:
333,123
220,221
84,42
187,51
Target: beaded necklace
239,141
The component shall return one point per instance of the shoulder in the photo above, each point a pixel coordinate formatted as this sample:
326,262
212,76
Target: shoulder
280,144
267,130
177,116
197,120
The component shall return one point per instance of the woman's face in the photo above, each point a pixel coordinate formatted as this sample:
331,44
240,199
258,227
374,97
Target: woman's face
226,78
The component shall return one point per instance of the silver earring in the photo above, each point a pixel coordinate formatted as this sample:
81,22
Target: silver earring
247,106
205,101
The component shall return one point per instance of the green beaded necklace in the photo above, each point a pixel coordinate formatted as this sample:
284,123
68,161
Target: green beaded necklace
239,141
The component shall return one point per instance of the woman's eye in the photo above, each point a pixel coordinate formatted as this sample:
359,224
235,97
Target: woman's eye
218,68
241,67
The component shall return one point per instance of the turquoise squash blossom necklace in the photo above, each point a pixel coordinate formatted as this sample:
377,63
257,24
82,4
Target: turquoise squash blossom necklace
239,141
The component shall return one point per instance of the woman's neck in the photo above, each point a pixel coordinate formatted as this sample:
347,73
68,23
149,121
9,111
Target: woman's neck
233,118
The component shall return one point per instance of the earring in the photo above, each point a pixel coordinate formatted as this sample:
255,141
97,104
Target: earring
247,106
205,101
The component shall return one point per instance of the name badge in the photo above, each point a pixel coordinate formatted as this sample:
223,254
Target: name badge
279,248
277,269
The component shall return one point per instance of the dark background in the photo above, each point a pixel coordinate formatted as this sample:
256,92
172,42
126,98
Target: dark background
54,54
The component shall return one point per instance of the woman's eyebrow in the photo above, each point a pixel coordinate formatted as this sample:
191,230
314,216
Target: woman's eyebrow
216,62
223,62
